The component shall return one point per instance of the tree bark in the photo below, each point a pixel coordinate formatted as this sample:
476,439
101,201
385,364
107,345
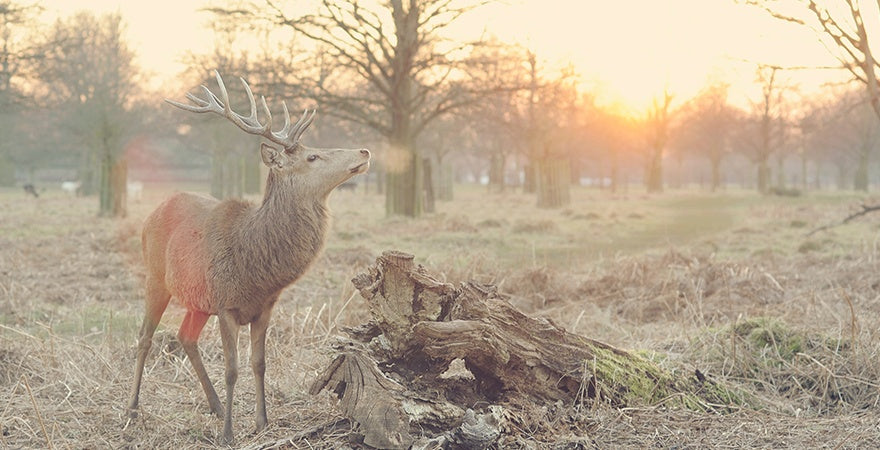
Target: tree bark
654,172
428,181
113,190
716,173
763,176
445,362
403,178
860,181
554,183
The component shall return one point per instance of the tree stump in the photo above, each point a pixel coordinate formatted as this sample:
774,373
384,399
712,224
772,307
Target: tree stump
439,366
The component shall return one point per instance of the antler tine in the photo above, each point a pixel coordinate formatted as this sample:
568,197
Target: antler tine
224,100
285,132
251,124
268,115
211,105
303,124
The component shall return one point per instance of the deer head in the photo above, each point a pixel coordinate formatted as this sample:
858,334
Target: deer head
318,170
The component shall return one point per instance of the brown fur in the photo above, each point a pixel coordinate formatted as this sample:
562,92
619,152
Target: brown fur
233,258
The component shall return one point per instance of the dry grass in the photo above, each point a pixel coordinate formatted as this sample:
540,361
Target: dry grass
728,284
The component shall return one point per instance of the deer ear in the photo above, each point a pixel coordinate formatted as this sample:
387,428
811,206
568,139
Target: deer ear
272,158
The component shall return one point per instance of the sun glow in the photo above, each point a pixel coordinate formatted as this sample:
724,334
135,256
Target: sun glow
633,50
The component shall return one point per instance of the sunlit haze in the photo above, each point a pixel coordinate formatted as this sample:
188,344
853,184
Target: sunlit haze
629,50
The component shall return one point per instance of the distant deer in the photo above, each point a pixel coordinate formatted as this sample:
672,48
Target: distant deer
134,190
30,189
232,258
71,187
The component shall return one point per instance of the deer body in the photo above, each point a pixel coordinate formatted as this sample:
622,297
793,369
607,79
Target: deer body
211,253
232,258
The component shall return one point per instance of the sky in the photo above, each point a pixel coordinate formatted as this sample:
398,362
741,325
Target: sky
629,50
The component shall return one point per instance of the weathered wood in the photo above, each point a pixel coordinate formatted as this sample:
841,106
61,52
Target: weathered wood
368,397
432,351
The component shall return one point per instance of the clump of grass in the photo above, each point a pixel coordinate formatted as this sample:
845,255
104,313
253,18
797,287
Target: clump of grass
534,226
459,223
809,246
351,235
797,223
588,216
820,372
490,223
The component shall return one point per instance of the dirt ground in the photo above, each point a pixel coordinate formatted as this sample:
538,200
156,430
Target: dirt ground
729,284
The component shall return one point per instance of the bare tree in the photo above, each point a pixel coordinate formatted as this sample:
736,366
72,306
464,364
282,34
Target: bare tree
394,49
708,122
616,134
91,77
18,50
233,172
841,24
657,124
852,126
763,130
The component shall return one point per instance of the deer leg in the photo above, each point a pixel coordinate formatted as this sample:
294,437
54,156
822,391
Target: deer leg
188,335
229,335
258,364
156,302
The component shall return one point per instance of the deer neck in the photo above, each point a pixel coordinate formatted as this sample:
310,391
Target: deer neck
289,226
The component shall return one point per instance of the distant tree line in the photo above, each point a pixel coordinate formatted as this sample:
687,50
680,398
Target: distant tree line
433,110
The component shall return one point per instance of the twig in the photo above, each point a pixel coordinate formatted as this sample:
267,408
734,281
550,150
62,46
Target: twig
865,210
37,411
853,321
836,376
296,436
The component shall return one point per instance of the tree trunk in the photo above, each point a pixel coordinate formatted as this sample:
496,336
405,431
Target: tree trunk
654,172
860,181
614,175
427,170
554,182
496,172
841,177
447,181
86,174
453,359
716,173
780,172
404,185
112,187
530,183
804,175
763,176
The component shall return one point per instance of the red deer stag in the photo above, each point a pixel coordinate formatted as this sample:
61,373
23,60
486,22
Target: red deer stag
232,258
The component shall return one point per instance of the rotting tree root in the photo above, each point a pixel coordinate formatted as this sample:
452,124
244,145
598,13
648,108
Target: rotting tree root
433,353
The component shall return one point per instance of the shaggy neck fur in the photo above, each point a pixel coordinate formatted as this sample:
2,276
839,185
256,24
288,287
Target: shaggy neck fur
284,234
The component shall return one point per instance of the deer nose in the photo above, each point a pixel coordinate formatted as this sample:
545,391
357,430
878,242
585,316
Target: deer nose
365,152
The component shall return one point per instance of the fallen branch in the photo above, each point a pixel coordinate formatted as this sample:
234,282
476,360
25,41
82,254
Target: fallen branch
865,210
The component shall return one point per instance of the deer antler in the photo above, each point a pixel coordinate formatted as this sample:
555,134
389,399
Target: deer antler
287,137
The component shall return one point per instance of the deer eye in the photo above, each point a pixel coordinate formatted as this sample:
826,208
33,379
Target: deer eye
312,158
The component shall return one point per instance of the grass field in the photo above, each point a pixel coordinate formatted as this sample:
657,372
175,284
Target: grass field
729,283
